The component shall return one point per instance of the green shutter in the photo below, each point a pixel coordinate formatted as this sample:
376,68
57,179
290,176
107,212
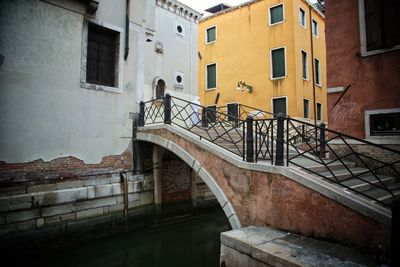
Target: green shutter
211,76
304,63
317,72
279,106
276,14
278,63
306,108
319,111
211,34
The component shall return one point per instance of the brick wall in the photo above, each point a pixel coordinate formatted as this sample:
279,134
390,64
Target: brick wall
176,179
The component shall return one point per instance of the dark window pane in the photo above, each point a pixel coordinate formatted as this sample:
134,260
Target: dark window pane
276,14
315,27
211,34
317,72
391,22
233,112
278,63
212,114
279,106
319,111
101,55
211,76
385,124
302,17
373,24
306,106
304,64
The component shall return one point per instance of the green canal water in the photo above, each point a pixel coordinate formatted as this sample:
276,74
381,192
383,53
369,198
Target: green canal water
184,241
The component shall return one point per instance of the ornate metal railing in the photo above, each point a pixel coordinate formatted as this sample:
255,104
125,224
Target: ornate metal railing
339,158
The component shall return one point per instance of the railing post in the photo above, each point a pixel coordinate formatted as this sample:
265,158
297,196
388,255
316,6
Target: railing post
279,140
322,140
249,140
303,133
167,109
395,238
141,114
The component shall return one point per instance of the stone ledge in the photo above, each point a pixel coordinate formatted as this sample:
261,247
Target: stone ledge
270,247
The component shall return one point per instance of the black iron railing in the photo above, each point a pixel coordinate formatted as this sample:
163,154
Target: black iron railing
255,135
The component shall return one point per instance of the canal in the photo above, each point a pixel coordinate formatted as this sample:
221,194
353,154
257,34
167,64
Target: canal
181,241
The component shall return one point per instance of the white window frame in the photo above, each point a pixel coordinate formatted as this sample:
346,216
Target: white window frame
314,29
279,97
305,18
316,111
307,71
120,57
269,14
207,42
368,114
216,76
271,65
319,72
309,110
363,34
175,82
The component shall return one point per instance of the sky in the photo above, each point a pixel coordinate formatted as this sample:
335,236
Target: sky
200,5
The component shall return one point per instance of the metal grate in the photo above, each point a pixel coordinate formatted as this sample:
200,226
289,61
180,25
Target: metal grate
101,55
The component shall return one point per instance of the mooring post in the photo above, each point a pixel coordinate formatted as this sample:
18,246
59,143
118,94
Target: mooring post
249,140
141,114
322,140
167,109
303,133
279,140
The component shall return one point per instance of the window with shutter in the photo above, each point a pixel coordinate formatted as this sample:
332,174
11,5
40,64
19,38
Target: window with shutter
304,65
211,35
211,114
279,106
306,107
278,63
233,111
319,111
211,76
276,14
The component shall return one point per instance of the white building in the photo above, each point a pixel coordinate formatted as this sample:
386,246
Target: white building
71,73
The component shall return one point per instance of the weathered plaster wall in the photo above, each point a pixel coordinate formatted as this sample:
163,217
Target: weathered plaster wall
261,198
374,80
44,112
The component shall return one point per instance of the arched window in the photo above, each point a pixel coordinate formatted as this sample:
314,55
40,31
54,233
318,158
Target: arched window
160,88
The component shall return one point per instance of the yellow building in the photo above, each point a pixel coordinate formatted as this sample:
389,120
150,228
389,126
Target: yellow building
267,46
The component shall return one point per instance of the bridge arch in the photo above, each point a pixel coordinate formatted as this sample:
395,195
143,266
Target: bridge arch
201,171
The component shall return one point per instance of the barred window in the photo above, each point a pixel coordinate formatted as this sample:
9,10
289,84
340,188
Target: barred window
102,55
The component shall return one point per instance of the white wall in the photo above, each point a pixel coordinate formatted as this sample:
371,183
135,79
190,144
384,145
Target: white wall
44,111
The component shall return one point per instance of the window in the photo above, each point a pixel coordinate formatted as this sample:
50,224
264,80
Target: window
233,111
379,24
319,111
317,67
279,106
306,108
276,14
304,65
211,76
211,114
211,34
315,28
382,122
278,66
302,17
102,56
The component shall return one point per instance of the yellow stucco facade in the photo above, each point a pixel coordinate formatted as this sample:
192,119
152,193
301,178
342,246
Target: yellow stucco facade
242,52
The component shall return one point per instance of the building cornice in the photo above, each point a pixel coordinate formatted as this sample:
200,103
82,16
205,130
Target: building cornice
180,9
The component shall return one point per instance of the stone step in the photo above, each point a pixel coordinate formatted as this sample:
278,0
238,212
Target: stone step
370,182
384,195
332,166
342,174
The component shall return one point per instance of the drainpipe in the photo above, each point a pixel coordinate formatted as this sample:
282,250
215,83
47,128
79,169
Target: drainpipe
136,151
312,65
127,30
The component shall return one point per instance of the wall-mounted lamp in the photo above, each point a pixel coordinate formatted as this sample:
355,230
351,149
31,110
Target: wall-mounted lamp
242,85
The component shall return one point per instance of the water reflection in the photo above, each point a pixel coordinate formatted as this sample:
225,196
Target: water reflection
190,241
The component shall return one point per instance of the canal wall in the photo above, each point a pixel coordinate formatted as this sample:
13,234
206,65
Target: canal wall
66,204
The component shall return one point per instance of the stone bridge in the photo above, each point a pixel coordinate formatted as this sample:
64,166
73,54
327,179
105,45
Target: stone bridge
282,197
269,170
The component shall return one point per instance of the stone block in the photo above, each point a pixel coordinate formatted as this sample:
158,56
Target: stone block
97,181
40,222
41,188
104,190
70,184
115,178
20,202
26,225
146,198
84,214
61,196
115,208
25,215
52,220
68,217
57,210
11,191
91,192
117,189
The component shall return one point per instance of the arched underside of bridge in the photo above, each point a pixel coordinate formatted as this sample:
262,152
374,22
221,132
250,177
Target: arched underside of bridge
251,194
